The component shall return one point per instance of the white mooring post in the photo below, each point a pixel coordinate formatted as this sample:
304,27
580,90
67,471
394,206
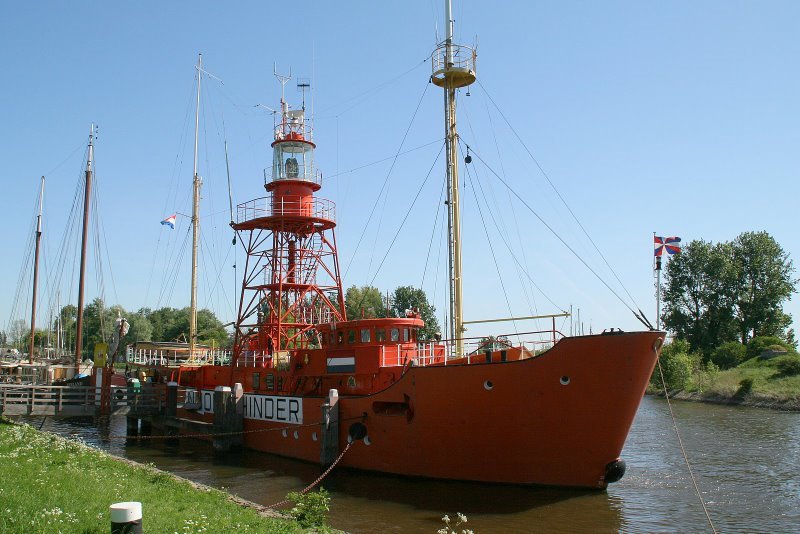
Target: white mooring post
126,518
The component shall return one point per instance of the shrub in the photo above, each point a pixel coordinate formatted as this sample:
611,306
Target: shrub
677,364
788,365
759,344
745,387
728,355
310,508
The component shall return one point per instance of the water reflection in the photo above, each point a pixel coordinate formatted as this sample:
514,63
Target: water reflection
745,460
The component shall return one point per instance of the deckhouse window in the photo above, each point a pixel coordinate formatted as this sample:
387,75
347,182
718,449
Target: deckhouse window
380,335
351,336
339,337
406,335
395,334
365,337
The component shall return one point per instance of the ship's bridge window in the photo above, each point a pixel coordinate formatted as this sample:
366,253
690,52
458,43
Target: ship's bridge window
380,335
351,336
406,335
365,337
339,337
394,335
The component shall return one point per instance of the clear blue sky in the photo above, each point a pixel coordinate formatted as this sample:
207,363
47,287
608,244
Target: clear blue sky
674,117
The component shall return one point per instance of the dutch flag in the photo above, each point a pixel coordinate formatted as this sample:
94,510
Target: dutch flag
169,221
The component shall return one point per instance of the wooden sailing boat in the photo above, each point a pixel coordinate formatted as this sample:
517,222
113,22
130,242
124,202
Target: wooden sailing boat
405,405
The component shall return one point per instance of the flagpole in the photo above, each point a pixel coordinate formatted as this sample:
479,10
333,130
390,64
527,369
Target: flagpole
658,286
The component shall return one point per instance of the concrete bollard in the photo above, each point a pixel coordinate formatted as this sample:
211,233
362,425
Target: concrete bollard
126,518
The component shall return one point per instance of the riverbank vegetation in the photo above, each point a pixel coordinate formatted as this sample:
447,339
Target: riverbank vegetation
732,340
51,484
765,372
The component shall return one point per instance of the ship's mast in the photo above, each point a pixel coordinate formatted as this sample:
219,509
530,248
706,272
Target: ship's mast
86,198
195,218
453,67
36,272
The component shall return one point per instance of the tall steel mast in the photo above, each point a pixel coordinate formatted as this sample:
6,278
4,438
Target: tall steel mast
195,218
453,67
87,194
36,272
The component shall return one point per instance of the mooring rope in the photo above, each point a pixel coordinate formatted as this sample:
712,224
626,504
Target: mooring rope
319,479
683,450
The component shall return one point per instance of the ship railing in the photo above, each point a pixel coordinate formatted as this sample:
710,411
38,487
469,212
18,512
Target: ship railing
298,171
254,358
286,206
419,354
295,128
461,57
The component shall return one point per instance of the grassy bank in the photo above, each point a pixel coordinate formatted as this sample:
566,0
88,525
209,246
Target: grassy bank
50,484
755,382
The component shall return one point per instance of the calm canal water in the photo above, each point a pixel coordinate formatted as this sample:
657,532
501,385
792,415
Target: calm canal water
746,460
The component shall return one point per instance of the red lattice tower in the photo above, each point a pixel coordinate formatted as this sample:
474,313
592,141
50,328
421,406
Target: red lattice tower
291,278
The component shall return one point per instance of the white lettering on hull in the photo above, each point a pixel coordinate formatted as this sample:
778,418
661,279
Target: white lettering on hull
260,407
274,408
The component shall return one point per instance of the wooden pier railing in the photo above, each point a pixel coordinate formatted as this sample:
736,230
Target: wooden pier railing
68,401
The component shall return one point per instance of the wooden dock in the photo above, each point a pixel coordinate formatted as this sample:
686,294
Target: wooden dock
72,401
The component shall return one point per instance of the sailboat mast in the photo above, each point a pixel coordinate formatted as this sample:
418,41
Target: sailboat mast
84,240
453,67
195,218
36,272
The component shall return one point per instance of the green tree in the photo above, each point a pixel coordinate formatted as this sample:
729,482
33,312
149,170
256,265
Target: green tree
698,295
728,291
677,363
366,299
410,298
764,282
728,355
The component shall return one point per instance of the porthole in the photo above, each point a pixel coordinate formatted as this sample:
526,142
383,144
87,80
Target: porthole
314,436
349,439
564,380
284,433
367,441
488,385
296,435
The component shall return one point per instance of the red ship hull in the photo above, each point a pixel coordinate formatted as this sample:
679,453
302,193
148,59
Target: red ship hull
559,419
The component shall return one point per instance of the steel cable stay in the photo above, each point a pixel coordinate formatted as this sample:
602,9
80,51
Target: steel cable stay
385,182
502,230
403,222
368,92
561,239
175,273
174,260
218,271
491,248
386,193
640,315
513,256
22,278
403,153
434,227
524,267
